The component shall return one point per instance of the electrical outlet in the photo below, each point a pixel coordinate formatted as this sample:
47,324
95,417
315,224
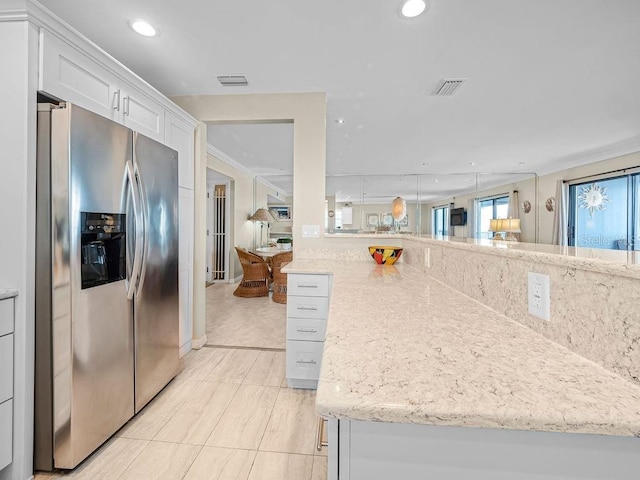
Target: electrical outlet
539,295
310,231
427,257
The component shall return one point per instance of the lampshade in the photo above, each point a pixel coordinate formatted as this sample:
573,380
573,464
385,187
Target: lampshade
262,215
495,224
510,225
399,208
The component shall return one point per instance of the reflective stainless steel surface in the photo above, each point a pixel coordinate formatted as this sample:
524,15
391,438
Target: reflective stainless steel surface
91,362
106,345
156,302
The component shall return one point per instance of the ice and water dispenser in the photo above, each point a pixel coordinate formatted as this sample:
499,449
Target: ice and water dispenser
103,240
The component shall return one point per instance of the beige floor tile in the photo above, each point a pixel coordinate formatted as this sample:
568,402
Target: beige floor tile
268,370
162,461
281,466
154,416
293,422
46,476
246,322
234,366
197,417
245,420
319,471
200,363
221,464
110,460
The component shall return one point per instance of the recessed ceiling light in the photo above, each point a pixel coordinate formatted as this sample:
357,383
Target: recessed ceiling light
520,163
424,164
413,8
472,163
143,28
340,121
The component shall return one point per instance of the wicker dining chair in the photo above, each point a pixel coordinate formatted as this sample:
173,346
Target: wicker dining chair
256,275
279,278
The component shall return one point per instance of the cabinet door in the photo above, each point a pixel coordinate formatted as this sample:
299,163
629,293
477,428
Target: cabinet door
185,268
179,135
142,114
69,75
6,367
6,433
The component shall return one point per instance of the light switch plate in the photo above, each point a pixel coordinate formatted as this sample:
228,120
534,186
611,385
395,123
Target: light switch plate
539,295
310,231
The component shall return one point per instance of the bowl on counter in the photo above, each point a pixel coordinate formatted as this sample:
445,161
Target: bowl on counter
385,255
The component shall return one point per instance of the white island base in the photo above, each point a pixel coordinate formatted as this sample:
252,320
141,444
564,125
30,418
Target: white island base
361,450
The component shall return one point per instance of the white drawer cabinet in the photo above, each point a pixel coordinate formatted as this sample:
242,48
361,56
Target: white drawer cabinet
6,367
307,308
6,317
306,329
6,381
6,433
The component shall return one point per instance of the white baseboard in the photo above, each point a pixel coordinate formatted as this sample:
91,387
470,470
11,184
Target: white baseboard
198,343
185,348
237,279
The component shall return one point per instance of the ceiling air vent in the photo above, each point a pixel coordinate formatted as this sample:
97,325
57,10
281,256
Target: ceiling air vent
233,80
448,86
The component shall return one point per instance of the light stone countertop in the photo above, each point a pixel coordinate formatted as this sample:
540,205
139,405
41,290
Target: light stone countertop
7,293
403,347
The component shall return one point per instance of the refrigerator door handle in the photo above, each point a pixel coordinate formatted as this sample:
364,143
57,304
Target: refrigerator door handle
142,221
130,284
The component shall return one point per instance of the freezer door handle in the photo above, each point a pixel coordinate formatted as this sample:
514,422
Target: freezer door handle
130,283
141,220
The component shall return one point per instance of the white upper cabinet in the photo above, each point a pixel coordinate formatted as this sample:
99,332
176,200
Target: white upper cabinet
179,135
68,74
142,114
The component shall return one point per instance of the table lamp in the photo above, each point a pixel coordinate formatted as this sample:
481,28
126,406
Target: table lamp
495,225
262,215
511,226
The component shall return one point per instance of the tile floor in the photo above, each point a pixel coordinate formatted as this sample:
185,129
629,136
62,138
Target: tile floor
227,415
246,322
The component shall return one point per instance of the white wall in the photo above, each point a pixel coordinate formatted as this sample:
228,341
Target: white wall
18,81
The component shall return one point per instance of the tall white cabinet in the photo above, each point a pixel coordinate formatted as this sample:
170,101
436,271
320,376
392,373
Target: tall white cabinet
71,74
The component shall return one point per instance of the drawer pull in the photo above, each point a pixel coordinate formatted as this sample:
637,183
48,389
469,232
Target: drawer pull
320,441
307,362
307,285
303,307
307,330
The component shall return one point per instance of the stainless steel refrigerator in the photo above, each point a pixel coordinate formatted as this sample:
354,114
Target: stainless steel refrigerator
106,280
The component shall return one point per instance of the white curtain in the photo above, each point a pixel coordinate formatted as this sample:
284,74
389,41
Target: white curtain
561,215
471,218
514,205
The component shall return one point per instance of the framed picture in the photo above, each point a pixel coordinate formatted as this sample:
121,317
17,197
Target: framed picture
404,222
281,212
387,220
373,219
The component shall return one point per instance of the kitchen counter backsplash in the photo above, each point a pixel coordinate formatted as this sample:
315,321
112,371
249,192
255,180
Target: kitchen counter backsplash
594,304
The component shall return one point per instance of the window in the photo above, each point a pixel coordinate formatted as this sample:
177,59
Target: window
440,222
605,213
488,208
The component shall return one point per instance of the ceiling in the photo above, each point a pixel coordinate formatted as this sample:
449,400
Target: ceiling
551,83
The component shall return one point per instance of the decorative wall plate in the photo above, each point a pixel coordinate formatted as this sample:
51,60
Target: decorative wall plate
550,204
526,206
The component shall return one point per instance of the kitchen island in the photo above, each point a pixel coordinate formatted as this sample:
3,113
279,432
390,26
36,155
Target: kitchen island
420,381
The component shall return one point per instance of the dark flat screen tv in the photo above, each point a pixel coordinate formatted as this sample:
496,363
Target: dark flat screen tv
458,217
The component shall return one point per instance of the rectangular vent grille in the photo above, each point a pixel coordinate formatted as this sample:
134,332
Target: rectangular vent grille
233,80
448,86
